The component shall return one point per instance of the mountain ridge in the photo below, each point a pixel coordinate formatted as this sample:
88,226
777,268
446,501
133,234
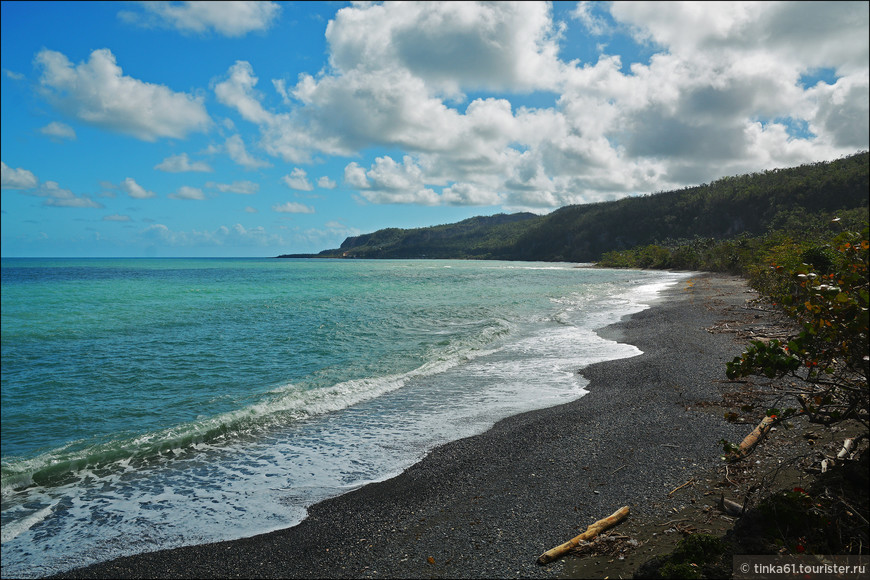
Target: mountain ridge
728,207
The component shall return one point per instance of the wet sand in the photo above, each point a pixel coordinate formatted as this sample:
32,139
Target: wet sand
489,505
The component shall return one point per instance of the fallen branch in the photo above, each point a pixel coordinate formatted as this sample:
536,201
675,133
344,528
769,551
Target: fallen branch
682,486
728,479
753,438
590,533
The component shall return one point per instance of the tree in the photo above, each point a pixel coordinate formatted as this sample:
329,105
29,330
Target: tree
829,297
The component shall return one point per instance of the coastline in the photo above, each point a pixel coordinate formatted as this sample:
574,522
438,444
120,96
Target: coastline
489,505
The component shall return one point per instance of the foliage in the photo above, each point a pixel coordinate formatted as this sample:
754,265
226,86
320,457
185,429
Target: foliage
812,520
695,556
702,226
829,297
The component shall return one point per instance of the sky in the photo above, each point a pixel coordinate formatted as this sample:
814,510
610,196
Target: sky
253,129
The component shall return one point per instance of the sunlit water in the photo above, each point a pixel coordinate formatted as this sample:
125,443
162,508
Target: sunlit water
150,404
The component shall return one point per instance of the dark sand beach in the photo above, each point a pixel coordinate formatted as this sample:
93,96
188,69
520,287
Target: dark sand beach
488,506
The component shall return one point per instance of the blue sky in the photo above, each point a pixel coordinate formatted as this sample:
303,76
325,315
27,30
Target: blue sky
259,128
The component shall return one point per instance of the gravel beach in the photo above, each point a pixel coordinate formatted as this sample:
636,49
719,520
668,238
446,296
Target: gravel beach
489,505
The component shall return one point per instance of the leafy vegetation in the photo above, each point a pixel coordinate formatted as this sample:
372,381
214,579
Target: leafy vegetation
695,556
819,278
827,292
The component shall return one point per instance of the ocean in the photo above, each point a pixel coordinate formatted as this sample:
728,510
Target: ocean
156,403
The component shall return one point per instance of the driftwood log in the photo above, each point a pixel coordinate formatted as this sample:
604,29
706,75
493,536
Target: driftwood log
753,438
590,533
732,508
848,444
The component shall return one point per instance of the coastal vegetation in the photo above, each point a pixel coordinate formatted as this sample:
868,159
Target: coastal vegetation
814,271
823,289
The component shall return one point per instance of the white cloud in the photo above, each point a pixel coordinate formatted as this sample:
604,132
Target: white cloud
134,190
452,46
298,179
470,194
12,178
792,34
238,153
56,196
60,197
842,115
241,187
330,235
116,218
391,182
249,209
326,183
227,18
97,93
594,23
710,99
281,136
224,236
181,163
355,176
187,192
292,207
58,130
237,91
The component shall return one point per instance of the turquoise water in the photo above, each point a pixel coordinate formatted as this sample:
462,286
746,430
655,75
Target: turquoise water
154,403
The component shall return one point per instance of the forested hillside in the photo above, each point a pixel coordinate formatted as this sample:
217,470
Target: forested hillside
477,237
794,199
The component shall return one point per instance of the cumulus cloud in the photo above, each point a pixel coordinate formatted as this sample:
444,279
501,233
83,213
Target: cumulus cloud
298,179
452,46
54,194
58,130
238,152
326,183
60,197
187,192
390,182
181,163
281,136
594,23
12,178
292,207
96,92
227,18
241,187
841,113
134,190
720,93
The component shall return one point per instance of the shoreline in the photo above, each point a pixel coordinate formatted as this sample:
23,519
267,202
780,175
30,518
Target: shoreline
489,505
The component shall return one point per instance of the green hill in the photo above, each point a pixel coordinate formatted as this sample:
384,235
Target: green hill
791,199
